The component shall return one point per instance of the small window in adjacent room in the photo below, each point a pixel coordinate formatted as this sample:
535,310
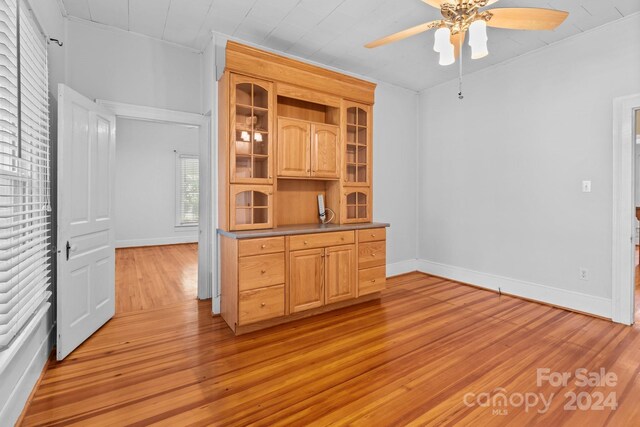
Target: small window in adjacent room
187,190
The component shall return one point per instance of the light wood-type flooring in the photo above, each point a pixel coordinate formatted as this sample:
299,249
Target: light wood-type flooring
408,359
155,276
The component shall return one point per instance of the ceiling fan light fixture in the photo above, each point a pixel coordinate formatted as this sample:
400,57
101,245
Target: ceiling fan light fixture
478,39
442,40
447,56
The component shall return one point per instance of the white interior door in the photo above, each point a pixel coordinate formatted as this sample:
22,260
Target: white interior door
86,253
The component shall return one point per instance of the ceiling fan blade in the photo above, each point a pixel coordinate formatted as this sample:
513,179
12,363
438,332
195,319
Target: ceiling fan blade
404,34
456,39
438,3
524,18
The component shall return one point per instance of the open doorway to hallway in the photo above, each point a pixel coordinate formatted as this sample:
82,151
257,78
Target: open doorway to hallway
156,214
636,146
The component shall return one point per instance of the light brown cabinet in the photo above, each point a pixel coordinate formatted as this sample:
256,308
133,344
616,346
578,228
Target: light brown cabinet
251,111
288,132
340,273
321,276
358,153
251,207
325,151
308,150
294,156
357,205
306,279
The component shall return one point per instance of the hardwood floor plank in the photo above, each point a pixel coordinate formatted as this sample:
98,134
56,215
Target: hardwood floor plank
408,359
155,276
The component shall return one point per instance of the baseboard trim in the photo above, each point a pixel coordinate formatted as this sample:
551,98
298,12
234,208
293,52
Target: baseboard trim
35,388
156,242
402,267
20,395
575,301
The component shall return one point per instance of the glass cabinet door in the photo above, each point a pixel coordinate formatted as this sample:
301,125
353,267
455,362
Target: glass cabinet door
251,131
357,205
251,207
357,144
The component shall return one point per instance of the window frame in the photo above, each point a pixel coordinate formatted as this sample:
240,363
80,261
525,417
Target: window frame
178,223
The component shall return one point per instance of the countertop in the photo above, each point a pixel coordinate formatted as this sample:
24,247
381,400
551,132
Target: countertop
291,230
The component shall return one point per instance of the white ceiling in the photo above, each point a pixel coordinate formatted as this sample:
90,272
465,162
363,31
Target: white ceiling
333,32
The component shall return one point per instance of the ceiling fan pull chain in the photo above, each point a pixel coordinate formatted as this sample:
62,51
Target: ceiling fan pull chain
460,96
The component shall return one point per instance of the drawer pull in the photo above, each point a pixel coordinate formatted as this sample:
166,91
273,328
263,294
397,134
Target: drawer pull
306,243
373,235
263,246
373,254
373,280
263,271
263,304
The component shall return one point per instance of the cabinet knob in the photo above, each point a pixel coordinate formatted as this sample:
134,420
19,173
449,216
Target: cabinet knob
373,254
263,246
270,176
263,304
373,235
306,243
263,271
373,280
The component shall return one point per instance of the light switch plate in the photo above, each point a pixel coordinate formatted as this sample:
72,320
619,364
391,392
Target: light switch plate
586,186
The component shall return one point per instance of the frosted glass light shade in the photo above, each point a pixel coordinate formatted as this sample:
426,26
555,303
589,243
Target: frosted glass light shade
257,137
244,135
442,39
478,39
447,56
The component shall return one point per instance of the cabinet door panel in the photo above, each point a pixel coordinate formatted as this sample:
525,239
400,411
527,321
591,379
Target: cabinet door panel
340,278
250,142
306,279
325,151
294,148
250,207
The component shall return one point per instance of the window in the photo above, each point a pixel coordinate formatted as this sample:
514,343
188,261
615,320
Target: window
25,211
187,189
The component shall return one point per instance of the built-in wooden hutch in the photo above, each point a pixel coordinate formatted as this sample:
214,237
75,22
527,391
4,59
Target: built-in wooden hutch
289,131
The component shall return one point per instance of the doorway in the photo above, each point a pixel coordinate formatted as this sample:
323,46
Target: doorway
636,165
625,182
156,214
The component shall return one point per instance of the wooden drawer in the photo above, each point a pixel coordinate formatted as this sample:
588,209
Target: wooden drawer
321,240
259,271
372,235
372,254
371,280
260,246
261,304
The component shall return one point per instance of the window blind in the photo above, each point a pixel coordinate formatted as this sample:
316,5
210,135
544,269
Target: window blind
25,212
188,189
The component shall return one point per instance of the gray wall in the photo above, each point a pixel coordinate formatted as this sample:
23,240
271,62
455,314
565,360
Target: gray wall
501,171
395,172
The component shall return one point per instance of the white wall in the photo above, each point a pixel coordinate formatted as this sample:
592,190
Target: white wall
501,171
145,182
395,172
124,67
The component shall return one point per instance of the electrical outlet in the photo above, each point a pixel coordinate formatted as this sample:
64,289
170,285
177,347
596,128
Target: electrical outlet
586,186
584,274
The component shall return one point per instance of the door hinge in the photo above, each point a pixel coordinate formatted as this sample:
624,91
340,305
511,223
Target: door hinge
68,249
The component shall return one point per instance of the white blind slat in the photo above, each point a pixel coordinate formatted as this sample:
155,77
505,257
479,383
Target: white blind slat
25,218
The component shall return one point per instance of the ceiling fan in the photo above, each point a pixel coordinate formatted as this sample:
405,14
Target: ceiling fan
461,16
